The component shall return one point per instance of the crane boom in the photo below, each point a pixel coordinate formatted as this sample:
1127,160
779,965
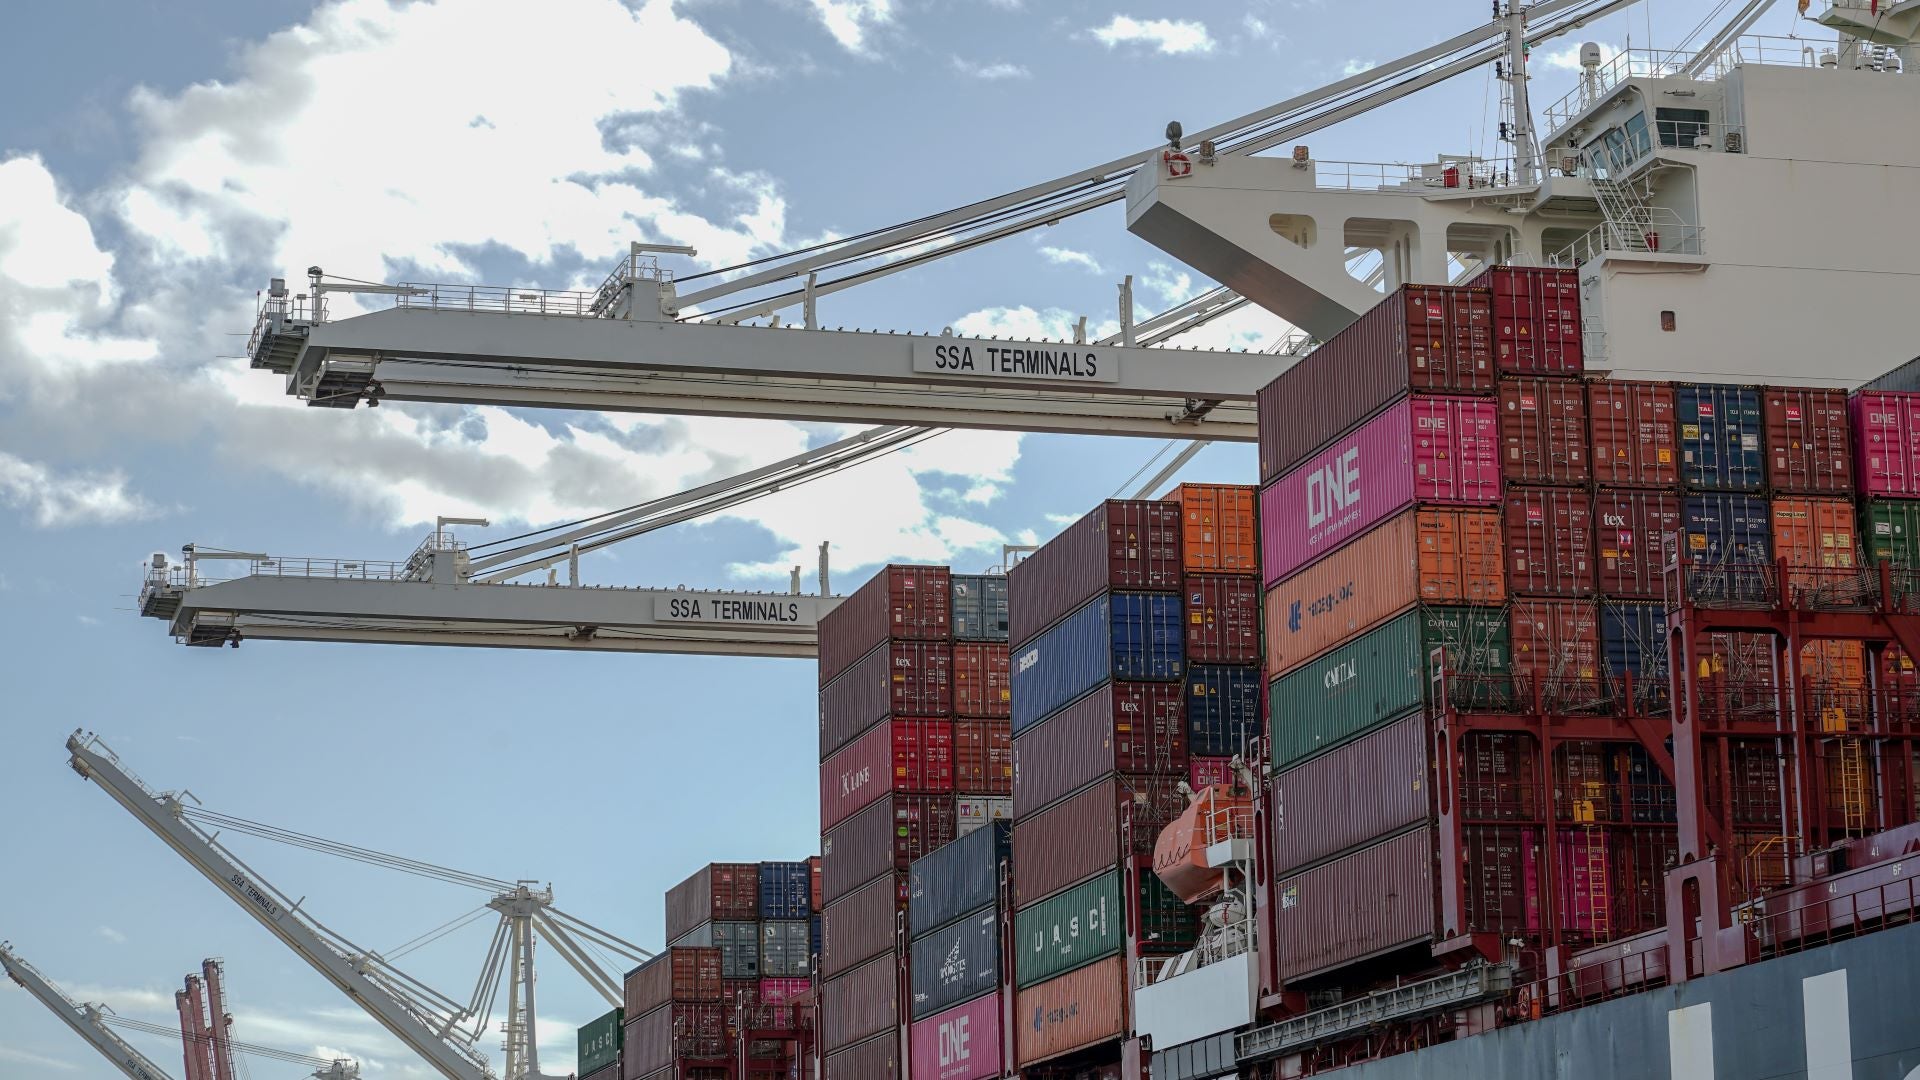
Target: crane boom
352,973
85,1020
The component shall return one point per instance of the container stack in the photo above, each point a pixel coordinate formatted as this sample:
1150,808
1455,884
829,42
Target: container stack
740,946
887,687
954,920
597,1049
1099,751
982,703
1220,591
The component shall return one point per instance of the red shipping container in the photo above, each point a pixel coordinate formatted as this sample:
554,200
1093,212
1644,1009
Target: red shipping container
1124,727
1500,879
903,603
886,836
1543,432
1549,542
905,755
1129,544
685,974
1206,772
982,685
722,891
1080,836
1373,901
983,757
1350,795
876,1059
1223,619
1556,651
736,994
962,1043
1585,864
1536,319
655,1040
784,991
1082,1008
1635,436
860,1004
1496,778
1886,442
1630,530
815,893
1809,442
1219,524
1427,338
859,926
899,678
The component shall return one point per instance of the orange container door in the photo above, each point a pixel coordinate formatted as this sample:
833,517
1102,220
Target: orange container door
1460,557
1814,535
1217,527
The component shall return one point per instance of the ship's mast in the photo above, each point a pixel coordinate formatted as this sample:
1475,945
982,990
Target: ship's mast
1519,119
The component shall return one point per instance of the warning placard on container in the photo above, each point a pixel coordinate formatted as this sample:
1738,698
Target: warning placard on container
1020,360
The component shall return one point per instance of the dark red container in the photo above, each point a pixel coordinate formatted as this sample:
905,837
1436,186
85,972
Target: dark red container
1501,882
815,894
1130,544
1543,431
1223,619
1536,319
1126,727
686,974
1373,901
1556,650
903,755
909,603
1080,836
739,993
1430,338
862,1003
1496,777
654,1041
886,836
859,926
981,685
876,1059
1351,795
1549,542
1630,529
983,757
1635,436
1809,441
898,678
717,891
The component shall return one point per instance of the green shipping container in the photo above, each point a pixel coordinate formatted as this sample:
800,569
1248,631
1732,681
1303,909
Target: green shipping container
600,1043
1381,675
1890,529
1069,930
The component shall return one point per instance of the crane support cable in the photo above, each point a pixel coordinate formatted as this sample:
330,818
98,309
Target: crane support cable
151,1028
345,851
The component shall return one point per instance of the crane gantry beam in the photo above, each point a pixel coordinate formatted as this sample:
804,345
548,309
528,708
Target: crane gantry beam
86,1020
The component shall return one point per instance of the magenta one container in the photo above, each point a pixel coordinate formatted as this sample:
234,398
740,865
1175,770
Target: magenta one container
1886,442
1420,449
962,1043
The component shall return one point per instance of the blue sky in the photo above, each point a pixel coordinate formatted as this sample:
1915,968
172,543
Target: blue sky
158,162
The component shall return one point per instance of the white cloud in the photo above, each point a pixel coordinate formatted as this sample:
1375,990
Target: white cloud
56,499
1568,59
1256,27
107,932
990,72
1026,322
1355,66
850,21
8,1053
1171,37
1069,257
124,999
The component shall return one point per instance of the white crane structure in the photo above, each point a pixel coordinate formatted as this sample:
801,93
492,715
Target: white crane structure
1620,179
444,1032
88,1020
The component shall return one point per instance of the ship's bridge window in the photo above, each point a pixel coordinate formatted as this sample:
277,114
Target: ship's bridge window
1680,127
1626,144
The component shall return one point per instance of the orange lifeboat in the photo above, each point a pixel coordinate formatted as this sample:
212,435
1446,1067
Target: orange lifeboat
1180,854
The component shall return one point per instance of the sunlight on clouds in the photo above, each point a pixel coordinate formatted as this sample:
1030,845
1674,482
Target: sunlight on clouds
1172,37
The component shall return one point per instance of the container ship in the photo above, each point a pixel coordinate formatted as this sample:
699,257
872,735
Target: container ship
1545,706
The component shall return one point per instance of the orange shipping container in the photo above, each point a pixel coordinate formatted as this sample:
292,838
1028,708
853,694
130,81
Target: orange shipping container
1428,555
1217,528
1834,665
1077,1010
1812,535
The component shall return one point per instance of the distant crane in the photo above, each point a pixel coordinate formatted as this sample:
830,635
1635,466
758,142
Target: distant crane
441,1030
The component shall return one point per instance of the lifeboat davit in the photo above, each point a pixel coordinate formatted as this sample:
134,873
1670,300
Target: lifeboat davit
1217,813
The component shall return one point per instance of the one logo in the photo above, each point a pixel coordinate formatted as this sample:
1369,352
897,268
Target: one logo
1293,617
954,1038
1333,487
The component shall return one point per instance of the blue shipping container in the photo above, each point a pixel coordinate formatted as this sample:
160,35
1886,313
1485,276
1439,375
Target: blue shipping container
1132,636
1721,440
1223,709
979,607
958,878
1634,639
1729,547
785,890
816,938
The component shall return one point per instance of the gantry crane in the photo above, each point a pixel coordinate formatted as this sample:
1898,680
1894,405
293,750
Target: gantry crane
88,1020
441,1030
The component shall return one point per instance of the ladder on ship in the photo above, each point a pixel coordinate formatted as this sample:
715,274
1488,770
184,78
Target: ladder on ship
1853,785
1595,894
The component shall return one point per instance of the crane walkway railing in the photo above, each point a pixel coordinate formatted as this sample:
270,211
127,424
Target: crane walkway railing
1421,179
1771,50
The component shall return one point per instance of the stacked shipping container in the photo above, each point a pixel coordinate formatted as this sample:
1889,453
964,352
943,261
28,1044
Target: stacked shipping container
1100,746
1221,590
954,920
982,703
